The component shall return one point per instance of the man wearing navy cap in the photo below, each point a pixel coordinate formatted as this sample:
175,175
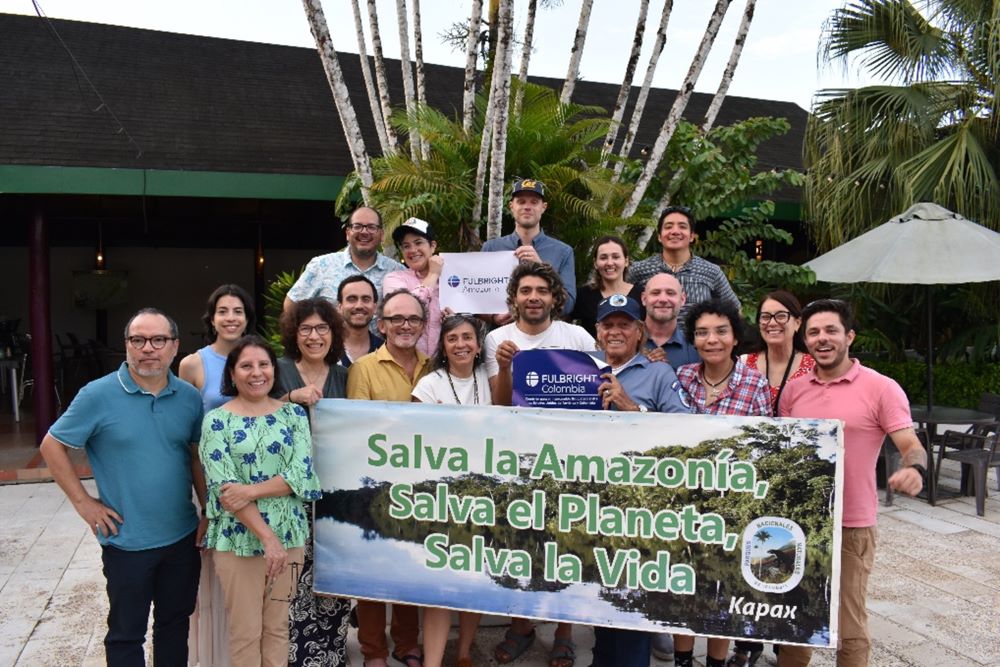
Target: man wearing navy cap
530,243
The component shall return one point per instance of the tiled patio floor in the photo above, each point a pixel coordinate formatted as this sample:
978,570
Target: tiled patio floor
934,598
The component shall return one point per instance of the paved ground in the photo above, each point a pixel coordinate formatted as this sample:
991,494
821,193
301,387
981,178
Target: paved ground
934,599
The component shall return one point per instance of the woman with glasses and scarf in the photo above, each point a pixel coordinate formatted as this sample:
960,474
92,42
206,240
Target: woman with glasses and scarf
459,378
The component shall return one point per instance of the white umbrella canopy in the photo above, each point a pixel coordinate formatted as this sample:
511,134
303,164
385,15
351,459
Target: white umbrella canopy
926,245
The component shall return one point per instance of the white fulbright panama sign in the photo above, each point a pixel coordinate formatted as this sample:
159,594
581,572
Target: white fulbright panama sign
476,282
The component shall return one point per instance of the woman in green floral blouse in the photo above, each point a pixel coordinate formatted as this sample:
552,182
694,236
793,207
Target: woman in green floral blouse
257,456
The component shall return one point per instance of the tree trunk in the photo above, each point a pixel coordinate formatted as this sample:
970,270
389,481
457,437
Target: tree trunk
380,78
406,65
713,108
633,59
680,103
501,85
529,34
418,45
341,96
469,92
576,53
727,75
647,82
366,72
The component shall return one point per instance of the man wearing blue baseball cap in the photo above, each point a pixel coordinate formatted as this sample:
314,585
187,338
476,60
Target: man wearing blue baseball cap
634,384
530,243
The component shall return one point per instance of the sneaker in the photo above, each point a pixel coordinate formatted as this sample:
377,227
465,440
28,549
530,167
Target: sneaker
663,647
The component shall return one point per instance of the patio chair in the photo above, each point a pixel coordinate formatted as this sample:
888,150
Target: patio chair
977,450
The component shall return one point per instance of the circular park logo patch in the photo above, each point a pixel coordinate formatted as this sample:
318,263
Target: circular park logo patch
454,281
774,554
531,379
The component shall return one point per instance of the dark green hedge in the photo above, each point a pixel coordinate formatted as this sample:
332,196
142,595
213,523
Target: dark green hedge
958,385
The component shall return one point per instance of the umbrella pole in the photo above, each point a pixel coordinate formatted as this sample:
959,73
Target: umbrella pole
930,349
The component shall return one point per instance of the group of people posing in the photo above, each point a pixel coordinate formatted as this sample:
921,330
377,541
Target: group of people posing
233,427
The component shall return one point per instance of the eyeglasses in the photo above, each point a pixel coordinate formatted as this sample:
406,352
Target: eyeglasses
721,332
358,227
781,317
158,342
399,320
305,330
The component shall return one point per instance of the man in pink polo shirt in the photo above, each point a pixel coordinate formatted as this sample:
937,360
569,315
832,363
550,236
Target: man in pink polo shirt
871,406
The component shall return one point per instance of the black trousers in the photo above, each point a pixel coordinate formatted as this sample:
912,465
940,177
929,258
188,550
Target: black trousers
615,647
167,578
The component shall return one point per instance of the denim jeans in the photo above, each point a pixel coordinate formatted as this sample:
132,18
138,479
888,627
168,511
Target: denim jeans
167,578
614,647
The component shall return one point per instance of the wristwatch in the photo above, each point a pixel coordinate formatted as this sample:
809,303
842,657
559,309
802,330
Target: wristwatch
643,408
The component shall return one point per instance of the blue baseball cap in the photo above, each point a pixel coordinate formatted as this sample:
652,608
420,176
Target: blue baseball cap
619,303
528,185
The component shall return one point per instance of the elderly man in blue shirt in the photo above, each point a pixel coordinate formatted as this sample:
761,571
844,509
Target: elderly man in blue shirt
634,384
530,243
139,427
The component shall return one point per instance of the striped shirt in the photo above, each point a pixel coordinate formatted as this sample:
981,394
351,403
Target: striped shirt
746,395
701,279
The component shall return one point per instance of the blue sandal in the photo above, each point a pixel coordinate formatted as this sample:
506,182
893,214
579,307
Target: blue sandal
513,646
563,650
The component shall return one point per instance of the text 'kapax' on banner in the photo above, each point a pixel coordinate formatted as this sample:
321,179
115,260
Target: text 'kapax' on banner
719,526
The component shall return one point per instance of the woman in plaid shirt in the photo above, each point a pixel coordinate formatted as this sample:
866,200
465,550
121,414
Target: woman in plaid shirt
720,384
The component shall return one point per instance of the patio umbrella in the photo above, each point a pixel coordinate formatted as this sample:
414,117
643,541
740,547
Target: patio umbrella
926,245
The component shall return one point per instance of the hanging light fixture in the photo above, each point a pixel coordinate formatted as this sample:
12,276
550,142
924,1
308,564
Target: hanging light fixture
99,257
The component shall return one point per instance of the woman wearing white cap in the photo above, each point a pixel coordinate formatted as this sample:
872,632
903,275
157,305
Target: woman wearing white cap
415,240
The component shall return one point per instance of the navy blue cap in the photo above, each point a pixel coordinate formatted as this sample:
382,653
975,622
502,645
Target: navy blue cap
528,185
619,303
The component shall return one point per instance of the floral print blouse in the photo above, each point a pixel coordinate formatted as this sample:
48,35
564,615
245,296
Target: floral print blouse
250,450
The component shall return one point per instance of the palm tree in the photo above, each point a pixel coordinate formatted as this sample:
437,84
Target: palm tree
727,74
647,82
380,76
559,144
677,108
761,536
366,73
341,96
501,96
529,33
932,133
626,87
469,87
576,53
406,67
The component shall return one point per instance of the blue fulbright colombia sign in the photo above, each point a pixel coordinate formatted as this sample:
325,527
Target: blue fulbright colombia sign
557,379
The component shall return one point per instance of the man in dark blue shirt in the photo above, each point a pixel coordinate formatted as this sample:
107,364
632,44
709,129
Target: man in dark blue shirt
663,299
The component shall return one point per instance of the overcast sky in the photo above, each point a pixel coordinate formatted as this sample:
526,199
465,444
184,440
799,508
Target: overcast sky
779,60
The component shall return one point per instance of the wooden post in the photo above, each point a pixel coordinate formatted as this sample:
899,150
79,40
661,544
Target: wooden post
39,308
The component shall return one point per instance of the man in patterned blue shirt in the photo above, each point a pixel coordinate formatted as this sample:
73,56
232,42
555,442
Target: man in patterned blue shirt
323,275
531,244
700,279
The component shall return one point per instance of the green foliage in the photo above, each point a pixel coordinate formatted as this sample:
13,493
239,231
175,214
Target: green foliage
955,384
717,175
274,301
930,134
555,143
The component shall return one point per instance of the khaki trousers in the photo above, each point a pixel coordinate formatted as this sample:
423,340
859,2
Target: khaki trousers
857,557
404,629
258,617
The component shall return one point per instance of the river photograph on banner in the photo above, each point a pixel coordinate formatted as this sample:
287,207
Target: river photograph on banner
717,526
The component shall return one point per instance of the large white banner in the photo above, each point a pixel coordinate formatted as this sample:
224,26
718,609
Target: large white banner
721,526
476,282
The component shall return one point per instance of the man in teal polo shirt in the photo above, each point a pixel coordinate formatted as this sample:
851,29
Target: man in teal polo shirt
140,427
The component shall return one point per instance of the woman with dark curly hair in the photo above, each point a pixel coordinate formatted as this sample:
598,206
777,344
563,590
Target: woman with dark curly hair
720,384
312,333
